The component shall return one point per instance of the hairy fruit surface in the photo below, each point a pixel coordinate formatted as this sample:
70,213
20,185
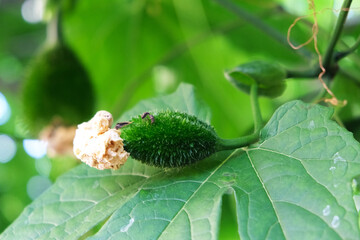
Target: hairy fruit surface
169,139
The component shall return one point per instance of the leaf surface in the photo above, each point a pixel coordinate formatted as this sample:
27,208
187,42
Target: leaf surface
294,184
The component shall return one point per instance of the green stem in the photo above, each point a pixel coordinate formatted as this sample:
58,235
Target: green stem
328,57
258,121
227,144
59,29
341,55
305,73
54,29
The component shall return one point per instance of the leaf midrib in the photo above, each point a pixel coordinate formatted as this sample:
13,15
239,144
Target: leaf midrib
267,193
194,193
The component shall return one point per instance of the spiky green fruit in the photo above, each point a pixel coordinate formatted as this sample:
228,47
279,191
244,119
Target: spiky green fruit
172,139
57,85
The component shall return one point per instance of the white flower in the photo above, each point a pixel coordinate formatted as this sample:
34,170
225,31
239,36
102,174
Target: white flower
99,146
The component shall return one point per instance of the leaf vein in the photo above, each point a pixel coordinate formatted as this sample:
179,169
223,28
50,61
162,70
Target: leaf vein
194,193
267,193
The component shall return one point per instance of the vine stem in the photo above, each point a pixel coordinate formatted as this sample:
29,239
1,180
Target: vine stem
54,29
326,63
341,55
258,121
328,57
228,144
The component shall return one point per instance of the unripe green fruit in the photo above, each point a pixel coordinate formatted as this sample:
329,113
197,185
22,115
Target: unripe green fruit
169,139
270,77
56,85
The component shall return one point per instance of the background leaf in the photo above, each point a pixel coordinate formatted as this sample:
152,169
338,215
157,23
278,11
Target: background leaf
298,177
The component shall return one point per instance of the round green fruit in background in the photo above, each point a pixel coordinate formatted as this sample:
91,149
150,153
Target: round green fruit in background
56,86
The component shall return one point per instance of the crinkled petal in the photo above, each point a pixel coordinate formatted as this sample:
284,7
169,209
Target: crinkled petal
99,146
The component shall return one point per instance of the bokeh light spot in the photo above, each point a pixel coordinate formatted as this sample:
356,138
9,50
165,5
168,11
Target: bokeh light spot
353,17
37,185
35,148
164,79
7,148
32,10
298,8
5,111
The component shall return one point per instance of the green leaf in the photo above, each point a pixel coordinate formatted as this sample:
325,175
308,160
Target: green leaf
294,184
307,174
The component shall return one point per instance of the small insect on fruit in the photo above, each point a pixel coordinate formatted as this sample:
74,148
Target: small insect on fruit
169,139
145,114
121,124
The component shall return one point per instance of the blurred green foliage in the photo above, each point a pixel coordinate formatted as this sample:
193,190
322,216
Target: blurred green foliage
139,49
